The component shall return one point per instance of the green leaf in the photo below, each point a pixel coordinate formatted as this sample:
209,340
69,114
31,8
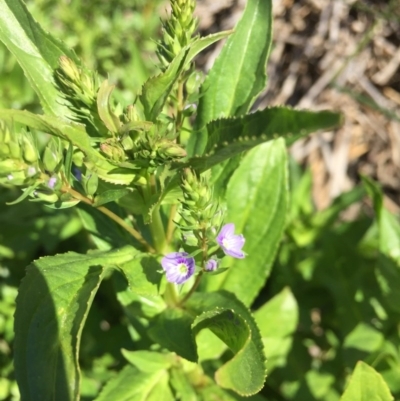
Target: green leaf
132,384
148,361
182,385
366,385
257,204
389,225
238,74
277,320
111,195
36,51
156,90
202,43
231,136
172,330
110,120
232,322
143,275
105,233
52,305
364,338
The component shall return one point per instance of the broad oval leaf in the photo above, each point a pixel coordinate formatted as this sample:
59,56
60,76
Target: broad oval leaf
52,305
257,197
277,320
233,323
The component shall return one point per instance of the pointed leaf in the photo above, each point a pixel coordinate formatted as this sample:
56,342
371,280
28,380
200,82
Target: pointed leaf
202,43
52,305
231,136
36,51
257,204
106,114
238,74
148,361
366,385
156,90
132,384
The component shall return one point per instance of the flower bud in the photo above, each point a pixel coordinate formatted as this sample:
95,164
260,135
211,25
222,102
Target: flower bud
171,150
15,149
69,68
193,82
10,166
113,151
29,150
52,155
90,183
4,150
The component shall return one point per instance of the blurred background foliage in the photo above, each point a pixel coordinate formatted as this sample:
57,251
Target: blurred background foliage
334,292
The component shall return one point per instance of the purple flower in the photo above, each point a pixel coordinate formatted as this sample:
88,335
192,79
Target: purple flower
52,182
230,243
178,266
211,265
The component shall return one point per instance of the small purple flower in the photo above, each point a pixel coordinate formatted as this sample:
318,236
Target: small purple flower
178,266
230,243
52,182
211,265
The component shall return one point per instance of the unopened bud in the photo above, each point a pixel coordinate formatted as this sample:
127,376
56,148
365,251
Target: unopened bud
69,68
4,150
90,183
15,150
127,142
113,151
10,166
193,82
30,152
171,149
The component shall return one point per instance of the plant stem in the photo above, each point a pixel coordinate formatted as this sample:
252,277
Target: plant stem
192,290
170,295
157,230
171,224
112,216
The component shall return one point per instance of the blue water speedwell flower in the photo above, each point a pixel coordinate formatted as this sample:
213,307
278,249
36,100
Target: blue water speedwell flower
230,243
211,265
178,266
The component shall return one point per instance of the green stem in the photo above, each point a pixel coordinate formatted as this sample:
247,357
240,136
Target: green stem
157,231
170,295
171,223
192,290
